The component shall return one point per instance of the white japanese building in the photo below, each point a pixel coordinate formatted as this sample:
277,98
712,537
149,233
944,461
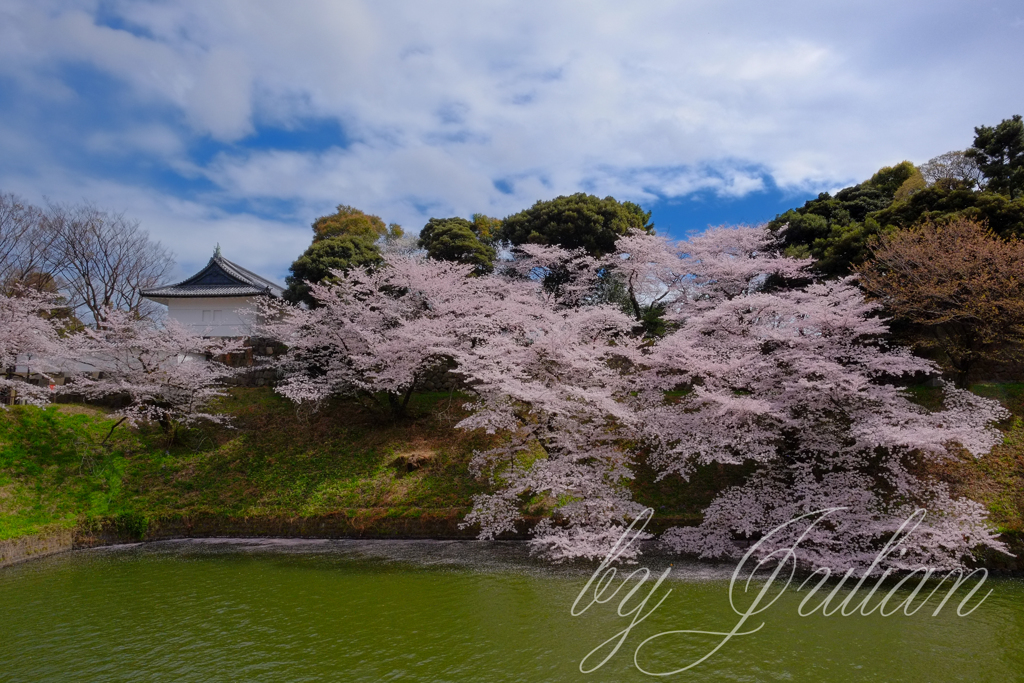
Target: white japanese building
213,301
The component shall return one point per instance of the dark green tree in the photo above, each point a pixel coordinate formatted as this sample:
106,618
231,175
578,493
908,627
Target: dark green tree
342,240
835,231
454,239
999,151
944,202
579,221
324,255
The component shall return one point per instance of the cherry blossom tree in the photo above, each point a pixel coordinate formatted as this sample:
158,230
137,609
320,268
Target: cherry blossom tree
541,372
796,380
28,343
801,382
167,373
374,331
549,376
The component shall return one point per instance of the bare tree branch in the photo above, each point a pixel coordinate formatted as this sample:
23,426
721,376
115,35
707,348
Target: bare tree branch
103,260
23,245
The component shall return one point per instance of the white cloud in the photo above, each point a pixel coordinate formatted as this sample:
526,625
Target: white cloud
439,101
191,229
221,101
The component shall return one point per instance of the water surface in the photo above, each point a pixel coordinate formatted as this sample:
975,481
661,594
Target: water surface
442,611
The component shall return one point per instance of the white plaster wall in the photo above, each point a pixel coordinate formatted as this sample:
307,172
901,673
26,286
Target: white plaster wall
213,317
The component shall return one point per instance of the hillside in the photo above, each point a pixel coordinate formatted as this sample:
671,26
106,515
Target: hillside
339,471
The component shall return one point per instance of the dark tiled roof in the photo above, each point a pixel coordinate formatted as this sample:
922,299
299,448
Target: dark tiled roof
220,277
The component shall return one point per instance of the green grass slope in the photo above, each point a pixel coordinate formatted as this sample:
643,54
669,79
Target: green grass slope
57,471
62,467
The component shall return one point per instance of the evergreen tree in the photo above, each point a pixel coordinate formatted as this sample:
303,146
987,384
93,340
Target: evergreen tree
579,221
456,239
999,152
340,241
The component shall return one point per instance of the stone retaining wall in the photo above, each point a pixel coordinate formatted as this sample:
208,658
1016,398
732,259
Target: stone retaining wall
364,523
436,524
40,545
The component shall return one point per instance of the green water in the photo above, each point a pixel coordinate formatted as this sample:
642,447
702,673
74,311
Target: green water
404,611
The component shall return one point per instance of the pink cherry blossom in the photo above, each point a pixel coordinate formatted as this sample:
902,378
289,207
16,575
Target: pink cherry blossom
28,343
758,364
166,372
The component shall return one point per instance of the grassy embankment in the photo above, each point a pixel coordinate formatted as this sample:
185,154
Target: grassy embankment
56,470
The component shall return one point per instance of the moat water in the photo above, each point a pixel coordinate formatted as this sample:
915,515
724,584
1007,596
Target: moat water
449,611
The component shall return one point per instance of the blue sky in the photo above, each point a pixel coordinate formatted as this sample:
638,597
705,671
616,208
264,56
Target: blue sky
239,122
